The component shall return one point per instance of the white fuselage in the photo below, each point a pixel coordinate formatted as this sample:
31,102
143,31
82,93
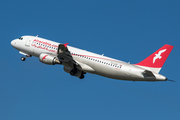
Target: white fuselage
93,63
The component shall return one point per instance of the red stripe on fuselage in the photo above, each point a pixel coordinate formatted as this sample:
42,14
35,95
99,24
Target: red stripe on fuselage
95,57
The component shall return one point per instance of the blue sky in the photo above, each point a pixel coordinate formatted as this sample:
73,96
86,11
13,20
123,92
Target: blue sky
126,30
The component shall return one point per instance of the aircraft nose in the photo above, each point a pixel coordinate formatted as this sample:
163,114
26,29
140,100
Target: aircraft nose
13,42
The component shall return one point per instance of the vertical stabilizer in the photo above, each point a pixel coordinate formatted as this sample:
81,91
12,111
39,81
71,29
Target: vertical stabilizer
156,60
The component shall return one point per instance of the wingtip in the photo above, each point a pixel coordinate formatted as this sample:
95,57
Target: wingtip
65,45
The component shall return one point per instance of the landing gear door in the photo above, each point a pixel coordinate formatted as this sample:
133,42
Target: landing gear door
28,41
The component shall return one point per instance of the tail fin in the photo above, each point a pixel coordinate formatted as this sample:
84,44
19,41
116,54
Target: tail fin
156,60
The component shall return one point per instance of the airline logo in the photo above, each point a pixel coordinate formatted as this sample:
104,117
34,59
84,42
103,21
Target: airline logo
44,45
157,59
44,57
158,56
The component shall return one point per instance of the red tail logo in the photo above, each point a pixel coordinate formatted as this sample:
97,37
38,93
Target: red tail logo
158,56
44,57
157,59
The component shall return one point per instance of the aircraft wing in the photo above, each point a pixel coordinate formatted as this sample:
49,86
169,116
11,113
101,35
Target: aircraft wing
64,55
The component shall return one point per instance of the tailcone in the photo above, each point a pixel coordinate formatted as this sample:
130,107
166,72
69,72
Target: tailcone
161,78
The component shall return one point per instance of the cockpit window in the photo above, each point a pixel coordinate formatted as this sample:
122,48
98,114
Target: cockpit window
21,38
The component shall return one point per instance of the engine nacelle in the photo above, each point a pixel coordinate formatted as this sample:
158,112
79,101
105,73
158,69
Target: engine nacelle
49,59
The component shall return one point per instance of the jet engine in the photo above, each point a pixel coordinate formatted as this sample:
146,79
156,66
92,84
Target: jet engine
49,59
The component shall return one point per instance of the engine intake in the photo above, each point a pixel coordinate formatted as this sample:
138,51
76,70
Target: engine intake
49,59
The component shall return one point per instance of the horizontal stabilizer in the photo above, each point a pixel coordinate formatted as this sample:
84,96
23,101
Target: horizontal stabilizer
148,74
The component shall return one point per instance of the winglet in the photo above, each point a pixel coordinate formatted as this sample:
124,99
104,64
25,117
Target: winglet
65,45
62,48
157,59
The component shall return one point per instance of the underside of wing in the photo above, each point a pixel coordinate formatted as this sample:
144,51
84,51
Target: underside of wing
70,65
64,54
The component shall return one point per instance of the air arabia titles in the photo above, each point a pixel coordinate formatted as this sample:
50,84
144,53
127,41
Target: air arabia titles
44,45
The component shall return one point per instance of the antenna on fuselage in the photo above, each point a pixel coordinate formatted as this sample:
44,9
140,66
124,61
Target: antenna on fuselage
36,35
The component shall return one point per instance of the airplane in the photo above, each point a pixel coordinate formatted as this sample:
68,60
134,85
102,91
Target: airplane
78,62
